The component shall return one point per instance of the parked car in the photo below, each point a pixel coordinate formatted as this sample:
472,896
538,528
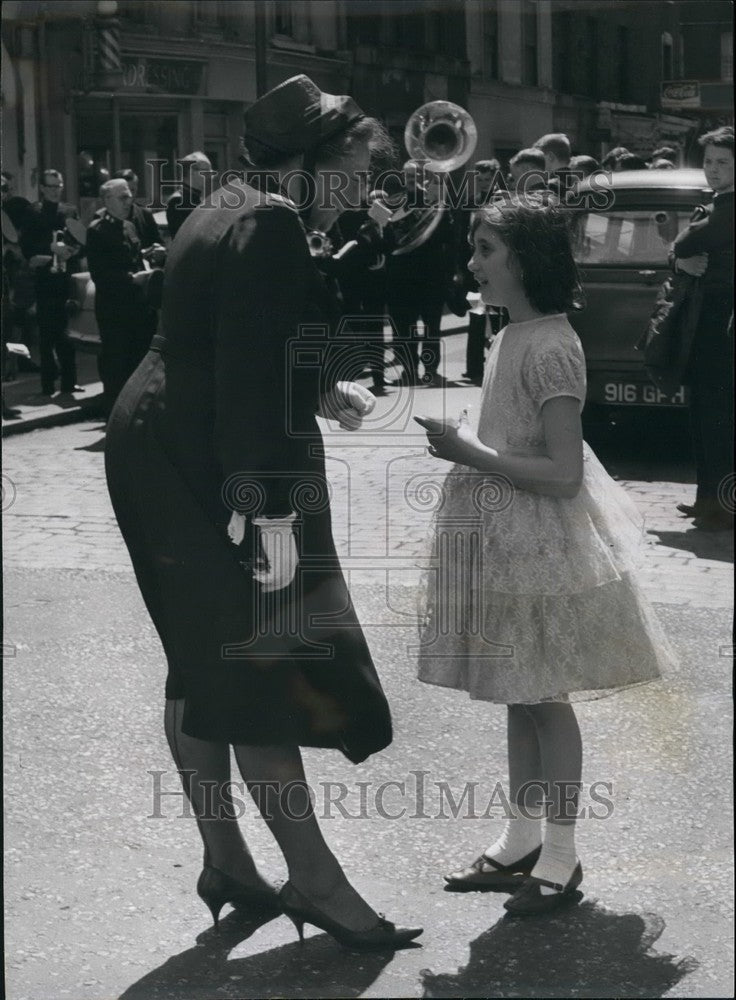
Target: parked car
622,253
80,306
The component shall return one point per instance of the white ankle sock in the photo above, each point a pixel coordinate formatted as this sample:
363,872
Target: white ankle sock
558,858
522,834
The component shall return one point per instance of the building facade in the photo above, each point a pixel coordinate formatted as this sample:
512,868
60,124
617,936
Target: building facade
90,86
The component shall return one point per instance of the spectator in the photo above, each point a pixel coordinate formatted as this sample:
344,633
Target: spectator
126,321
661,164
17,277
630,161
612,157
556,149
666,153
585,165
14,206
142,218
181,204
51,262
705,248
531,165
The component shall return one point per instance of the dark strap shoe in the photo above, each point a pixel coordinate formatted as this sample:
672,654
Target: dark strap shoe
486,875
529,900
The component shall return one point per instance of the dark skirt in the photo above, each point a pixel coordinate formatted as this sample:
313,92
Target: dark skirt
287,668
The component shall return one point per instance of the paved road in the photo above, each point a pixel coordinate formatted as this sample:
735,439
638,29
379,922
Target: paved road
100,890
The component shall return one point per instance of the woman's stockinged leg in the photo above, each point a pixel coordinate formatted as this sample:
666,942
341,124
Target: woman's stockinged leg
561,756
204,768
275,779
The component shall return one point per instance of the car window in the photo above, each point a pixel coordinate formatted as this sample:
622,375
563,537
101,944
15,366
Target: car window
628,236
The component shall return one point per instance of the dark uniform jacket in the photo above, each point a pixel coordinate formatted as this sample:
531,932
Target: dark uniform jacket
113,255
41,220
711,231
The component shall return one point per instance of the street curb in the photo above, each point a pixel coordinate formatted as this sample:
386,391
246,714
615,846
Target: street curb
451,326
67,415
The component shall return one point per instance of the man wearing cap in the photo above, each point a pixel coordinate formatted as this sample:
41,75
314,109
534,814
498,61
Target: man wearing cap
215,465
181,204
124,317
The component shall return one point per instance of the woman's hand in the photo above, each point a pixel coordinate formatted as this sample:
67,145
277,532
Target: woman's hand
347,403
280,559
695,265
452,440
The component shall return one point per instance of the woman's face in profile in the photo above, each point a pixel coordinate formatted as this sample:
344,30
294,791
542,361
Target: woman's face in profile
341,185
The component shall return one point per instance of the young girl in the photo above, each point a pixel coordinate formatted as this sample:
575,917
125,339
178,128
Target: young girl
531,600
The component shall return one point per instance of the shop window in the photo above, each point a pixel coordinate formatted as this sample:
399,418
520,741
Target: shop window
727,56
490,42
530,42
667,60
623,63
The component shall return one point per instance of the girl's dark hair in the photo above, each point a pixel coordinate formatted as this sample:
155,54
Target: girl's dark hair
538,234
364,130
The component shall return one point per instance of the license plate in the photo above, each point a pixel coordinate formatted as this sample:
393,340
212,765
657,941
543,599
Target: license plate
641,394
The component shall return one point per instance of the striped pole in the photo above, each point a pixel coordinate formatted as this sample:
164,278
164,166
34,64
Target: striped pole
109,65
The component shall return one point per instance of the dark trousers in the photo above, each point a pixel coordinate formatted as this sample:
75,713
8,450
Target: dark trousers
475,346
405,312
711,379
55,349
125,336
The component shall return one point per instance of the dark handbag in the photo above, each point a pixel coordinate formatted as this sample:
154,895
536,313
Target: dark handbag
668,338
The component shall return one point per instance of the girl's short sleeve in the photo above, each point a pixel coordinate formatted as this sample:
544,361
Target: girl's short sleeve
555,369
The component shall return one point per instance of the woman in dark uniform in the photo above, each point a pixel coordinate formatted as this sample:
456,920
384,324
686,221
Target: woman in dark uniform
215,467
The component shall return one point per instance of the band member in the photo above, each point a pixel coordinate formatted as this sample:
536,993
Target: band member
52,261
181,204
416,286
141,217
124,316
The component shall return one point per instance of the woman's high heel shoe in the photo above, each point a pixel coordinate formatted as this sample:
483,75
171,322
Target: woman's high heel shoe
215,888
383,934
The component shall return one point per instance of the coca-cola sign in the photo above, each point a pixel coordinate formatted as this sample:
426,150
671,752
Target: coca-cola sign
680,93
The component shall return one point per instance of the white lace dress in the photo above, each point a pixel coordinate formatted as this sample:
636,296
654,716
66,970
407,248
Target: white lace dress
527,597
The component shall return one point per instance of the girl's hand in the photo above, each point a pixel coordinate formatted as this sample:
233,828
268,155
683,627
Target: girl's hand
452,440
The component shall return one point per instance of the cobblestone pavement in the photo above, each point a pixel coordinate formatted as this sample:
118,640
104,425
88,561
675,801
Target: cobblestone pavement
383,483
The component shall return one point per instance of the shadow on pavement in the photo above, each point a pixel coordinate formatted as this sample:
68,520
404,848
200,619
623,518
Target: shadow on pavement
319,968
583,952
704,544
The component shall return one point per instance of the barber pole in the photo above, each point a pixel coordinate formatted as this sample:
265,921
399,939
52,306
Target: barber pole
109,66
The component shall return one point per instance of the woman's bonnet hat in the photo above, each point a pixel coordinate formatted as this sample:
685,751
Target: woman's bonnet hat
297,116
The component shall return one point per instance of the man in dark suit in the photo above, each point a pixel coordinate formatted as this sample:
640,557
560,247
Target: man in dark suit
125,319
51,262
705,249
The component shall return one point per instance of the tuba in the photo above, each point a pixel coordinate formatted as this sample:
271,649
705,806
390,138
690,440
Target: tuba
439,137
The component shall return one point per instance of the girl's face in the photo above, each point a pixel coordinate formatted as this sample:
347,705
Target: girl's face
718,167
495,268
